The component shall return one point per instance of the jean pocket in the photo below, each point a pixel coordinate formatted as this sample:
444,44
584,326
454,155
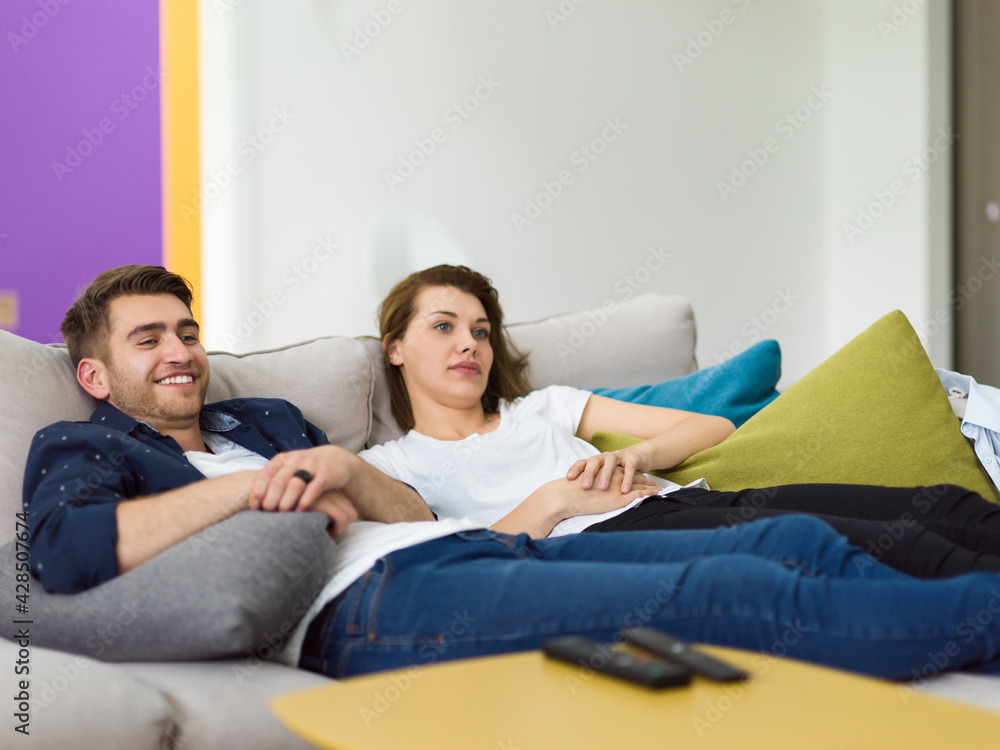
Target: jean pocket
358,614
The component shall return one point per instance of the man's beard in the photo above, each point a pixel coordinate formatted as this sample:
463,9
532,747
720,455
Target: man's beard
140,403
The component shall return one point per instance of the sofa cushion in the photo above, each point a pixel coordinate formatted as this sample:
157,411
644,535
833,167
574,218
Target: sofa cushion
74,700
225,699
735,389
873,413
586,349
329,379
238,586
37,387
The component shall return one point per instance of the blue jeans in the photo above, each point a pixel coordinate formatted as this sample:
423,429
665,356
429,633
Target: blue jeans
786,586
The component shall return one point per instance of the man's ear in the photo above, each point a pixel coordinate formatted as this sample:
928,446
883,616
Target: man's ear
92,376
391,349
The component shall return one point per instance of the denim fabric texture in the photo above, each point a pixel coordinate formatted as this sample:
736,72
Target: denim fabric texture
788,586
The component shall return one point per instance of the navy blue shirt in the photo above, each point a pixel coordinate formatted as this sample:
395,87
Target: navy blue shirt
78,472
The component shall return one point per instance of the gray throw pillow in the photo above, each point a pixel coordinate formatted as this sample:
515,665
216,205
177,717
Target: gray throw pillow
238,587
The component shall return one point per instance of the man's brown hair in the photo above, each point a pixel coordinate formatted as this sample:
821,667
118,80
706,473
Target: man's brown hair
87,323
507,379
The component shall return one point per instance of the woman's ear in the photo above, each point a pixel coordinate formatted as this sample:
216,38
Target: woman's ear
391,349
92,376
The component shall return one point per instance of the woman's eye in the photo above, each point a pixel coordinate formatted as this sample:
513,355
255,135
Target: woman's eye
443,326
483,334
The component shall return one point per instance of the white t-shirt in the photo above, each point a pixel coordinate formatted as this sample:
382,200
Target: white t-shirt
226,457
486,476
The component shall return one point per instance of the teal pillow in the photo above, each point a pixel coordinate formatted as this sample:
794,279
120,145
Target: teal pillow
736,389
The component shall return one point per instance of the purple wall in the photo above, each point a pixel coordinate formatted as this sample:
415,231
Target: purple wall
72,73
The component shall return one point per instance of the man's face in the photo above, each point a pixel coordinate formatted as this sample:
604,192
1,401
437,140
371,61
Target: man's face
157,369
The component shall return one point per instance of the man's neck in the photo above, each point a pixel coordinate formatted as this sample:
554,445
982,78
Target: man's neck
189,439
187,433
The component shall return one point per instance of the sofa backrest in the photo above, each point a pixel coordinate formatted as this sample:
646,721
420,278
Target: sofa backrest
339,382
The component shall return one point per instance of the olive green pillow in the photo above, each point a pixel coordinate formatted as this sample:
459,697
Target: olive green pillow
873,413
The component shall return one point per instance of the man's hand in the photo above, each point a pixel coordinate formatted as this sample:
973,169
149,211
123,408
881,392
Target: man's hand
375,496
277,488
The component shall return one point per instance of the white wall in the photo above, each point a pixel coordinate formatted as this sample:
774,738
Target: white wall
769,259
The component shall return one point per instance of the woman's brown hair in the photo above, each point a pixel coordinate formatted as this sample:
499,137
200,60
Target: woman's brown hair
507,379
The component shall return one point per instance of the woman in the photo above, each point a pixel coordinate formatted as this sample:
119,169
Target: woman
482,445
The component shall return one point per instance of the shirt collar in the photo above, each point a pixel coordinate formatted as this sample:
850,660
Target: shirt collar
110,416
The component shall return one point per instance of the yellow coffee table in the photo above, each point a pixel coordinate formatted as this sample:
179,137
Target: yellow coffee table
525,701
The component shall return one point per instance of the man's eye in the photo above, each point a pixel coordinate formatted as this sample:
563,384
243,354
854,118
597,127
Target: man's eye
190,338
147,342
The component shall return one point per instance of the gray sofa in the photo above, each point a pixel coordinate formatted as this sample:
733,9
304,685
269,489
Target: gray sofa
81,701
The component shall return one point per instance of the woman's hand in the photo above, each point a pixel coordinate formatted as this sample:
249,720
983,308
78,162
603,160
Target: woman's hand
563,498
339,509
631,462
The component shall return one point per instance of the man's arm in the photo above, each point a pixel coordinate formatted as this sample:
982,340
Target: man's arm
94,515
375,496
149,525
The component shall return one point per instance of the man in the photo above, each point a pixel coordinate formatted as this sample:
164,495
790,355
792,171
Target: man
399,588
137,350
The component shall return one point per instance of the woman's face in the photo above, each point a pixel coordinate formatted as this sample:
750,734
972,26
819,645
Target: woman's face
445,354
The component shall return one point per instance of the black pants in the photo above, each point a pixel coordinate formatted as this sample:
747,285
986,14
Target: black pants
926,532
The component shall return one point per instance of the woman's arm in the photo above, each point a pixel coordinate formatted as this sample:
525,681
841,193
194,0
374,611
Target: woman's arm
561,498
670,436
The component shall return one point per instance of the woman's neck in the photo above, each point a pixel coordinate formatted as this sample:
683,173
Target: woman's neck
454,424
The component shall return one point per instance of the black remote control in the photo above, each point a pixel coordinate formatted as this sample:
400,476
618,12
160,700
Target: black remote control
638,668
677,651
